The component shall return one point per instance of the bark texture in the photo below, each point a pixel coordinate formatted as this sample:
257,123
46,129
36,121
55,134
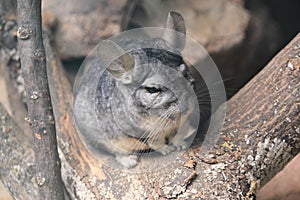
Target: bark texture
285,185
17,168
40,114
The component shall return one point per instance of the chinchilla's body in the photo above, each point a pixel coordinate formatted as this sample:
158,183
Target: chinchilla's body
142,98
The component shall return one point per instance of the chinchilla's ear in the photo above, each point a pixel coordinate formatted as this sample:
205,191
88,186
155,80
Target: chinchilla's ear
118,62
175,32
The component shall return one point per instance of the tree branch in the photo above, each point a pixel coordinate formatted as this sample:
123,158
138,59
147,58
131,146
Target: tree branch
285,185
254,143
33,61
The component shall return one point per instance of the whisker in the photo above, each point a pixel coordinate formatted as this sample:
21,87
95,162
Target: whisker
160,124
160,121
150,134
156,136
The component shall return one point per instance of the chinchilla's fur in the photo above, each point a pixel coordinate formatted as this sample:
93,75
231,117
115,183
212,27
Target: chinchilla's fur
141,99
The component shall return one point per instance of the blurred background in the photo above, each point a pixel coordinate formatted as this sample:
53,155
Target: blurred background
240,35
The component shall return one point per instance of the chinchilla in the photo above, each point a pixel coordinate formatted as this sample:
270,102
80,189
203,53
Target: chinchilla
142,98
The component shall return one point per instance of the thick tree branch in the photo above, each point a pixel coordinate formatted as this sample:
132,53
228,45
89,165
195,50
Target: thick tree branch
285,185
259,137
33,61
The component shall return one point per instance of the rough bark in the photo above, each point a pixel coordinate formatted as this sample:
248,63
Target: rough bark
259,136
40,114
17,168
285,185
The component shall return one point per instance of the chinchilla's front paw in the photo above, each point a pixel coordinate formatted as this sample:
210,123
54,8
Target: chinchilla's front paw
127,161
166,149
180,145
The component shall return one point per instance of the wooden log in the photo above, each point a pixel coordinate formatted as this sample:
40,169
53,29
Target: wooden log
259,136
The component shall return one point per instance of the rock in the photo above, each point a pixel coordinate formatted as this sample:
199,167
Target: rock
214,24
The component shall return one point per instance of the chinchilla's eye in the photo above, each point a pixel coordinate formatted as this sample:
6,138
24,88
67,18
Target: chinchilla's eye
153,90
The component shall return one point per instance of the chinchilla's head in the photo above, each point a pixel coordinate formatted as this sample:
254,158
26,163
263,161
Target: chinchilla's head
153,83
